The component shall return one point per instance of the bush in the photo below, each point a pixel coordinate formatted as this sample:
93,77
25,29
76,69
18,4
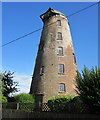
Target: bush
88,88
78,106
59,103
4,99
25,101
24,98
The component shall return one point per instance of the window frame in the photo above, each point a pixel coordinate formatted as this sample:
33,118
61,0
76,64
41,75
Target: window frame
74,58
59,36
42,70
62,87
61,69
60,51
58,23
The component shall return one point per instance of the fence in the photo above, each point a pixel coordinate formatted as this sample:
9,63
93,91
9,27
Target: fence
29,110
45,107
26,106
23,115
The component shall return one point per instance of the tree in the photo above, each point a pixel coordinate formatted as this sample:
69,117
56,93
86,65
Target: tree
24,98
2,89
26,101
4,99
88,88
10,86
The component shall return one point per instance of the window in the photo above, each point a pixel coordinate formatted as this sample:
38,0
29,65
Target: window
60,51
60,68
59,36
42,70
58,22
74,58
62,87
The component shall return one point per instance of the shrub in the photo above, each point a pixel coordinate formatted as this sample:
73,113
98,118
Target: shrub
25,101
88,88
78,106
59,103
24,98
4,99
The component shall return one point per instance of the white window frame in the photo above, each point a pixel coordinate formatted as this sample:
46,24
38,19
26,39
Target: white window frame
60,51
42,70
62,87
61,68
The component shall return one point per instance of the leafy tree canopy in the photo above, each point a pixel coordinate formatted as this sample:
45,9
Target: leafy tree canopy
24,98
88,88
9,86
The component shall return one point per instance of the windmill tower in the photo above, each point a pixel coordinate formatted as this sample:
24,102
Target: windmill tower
56,67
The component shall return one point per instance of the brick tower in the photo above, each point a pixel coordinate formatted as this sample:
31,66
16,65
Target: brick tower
56,67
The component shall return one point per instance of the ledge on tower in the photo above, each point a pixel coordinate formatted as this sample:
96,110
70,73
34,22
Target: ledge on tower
50,12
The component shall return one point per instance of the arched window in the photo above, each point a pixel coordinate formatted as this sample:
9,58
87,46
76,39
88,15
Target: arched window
60,51
61,68
59,36
58,22
62,87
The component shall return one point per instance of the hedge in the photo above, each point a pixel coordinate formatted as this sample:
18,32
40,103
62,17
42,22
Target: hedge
59,103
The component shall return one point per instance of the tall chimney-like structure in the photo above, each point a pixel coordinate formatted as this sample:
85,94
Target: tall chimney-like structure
55,68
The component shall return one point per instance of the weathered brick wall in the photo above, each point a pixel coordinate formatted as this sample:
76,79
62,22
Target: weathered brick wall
48,83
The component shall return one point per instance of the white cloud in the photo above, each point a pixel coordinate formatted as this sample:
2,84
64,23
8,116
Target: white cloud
24,82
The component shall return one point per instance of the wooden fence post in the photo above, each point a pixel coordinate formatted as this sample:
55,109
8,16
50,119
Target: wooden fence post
17,106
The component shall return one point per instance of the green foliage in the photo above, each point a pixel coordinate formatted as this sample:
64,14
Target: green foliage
24,98
78,106
2,87
58,103
9,86
88,88
4,99
26,106
26,101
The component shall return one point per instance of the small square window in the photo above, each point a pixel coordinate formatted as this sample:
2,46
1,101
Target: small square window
61,69
62,87
58,22
59,36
